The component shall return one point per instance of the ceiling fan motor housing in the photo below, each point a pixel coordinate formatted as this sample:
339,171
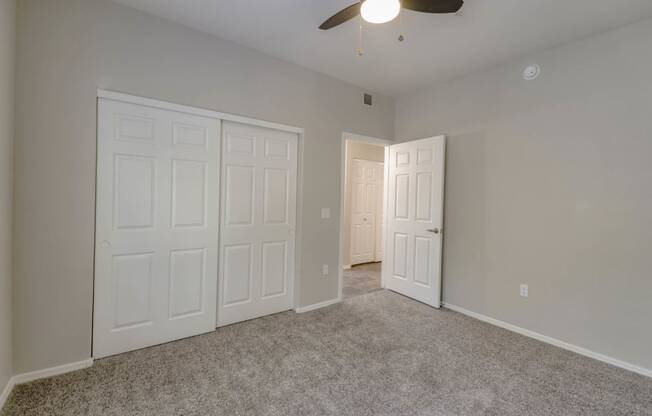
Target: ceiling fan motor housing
386,10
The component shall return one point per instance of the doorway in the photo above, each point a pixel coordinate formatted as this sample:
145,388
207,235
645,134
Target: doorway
410,219
362,214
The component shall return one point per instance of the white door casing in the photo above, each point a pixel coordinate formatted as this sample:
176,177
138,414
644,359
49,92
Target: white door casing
415,219
258,215
366,199
380,214
156,226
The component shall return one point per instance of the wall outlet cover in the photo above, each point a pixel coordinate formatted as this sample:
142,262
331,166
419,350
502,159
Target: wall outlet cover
524,291
324,269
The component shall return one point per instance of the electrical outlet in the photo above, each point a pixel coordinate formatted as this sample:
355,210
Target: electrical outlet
324,269
325,213
525,291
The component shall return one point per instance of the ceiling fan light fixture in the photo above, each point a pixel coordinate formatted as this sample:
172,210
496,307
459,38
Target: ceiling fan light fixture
380,11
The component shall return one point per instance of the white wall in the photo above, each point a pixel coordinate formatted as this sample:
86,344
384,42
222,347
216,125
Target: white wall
69,48
549,183
7,43
355,150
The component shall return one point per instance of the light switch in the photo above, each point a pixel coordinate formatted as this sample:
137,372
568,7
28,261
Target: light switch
325,213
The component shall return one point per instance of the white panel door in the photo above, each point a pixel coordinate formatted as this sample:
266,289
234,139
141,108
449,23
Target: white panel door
366,192
257,245
412,263
156,227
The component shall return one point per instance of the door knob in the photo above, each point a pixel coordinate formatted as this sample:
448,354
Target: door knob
105,244
434,230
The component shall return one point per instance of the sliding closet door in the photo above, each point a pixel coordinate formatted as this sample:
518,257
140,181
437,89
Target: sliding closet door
156,227
258,214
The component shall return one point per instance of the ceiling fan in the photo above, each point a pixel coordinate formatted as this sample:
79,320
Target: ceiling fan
382,11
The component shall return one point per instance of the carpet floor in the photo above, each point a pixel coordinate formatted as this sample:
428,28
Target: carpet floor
361,279
375,354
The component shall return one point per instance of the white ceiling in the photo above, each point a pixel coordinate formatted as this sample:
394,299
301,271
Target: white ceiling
437,47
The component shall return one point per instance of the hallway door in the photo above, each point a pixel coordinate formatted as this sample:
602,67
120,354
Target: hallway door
366,209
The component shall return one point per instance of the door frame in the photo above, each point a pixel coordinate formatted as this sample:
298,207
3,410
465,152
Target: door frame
352,137
299,131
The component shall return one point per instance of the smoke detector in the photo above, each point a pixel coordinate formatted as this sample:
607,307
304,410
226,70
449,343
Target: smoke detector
531,72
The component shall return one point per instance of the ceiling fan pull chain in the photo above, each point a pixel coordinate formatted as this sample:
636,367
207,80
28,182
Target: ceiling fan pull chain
401,38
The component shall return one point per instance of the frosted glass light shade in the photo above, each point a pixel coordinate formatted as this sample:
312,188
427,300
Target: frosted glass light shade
380,11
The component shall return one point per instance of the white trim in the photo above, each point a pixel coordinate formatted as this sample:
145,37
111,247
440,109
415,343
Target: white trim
6,392
298,228
384,272
51,372
366,139
552,341
39,374
165,105
319,305
363,139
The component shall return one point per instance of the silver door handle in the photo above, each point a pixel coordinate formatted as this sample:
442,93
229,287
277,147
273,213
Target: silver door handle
434,230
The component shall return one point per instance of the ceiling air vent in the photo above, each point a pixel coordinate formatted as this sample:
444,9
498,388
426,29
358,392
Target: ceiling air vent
367,99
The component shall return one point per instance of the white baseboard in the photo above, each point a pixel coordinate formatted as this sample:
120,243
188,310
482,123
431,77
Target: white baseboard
552,341
346,267
6,392
51,372
319,305
39,374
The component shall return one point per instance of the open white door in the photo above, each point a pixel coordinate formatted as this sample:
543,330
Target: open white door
156,226
412,264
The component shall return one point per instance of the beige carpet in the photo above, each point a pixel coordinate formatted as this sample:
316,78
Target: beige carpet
361,279
375,354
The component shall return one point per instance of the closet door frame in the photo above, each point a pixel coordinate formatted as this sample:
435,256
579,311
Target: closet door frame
222,117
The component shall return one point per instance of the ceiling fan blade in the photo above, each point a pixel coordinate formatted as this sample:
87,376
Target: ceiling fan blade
341,16
433,6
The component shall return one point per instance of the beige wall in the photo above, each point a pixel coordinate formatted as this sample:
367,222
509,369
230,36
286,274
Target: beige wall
69,48
7,42
549,183
355,150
